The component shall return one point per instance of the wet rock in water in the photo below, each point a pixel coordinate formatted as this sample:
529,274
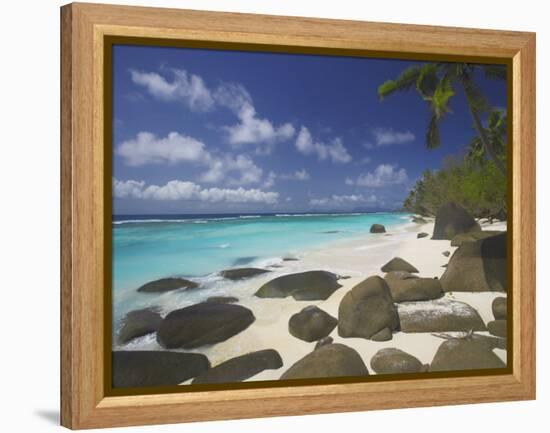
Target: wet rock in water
290,259
138,323
446,253
462,238
422,235
500,308
311,324
391,361
167,284
222,299
332,232
440,315
407,287
383,335
203,324
377,228
303,286
464,354
498,328
478,266
242,273
451,220
331,360
367,309
419,220
155,368
323,342
244,260
242,367
398,264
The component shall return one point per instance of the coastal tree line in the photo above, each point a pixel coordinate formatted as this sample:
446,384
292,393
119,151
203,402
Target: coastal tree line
476,180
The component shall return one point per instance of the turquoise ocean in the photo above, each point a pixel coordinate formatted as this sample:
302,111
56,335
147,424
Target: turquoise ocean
197,247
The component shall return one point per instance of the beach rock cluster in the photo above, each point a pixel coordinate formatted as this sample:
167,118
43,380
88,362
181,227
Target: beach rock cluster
139,323
330,360
451,220
167,284
203,324
478,266
242,367
311,324
374,309
303,286
367,310
155,368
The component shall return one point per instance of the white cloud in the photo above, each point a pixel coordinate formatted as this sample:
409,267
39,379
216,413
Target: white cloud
297,175
335,150
185,87
251,129
146,148
175,148
270,180
388,137
219,168
177,190
383,175
343,200
128,189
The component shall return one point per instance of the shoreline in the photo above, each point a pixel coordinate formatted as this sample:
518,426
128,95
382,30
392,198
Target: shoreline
355,259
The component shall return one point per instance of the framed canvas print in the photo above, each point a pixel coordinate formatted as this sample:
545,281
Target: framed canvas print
270,216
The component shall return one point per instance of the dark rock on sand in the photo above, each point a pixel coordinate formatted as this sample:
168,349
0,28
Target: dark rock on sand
391,361
222,299
464,354
303,286
478,266
462,238
323,342
242,273
311,324
407,287
155,368
398,264
500,308
367,309
383,335
377,228
422,235
242,367
446,253
331,360
203,324
453,219
440,315
498,328
167,284
138,323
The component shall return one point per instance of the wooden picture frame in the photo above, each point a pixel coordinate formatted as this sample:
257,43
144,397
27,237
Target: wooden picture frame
85,215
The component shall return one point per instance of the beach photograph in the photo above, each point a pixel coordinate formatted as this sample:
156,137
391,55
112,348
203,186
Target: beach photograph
293,217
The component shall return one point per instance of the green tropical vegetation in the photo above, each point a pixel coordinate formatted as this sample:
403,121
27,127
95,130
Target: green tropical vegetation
476,180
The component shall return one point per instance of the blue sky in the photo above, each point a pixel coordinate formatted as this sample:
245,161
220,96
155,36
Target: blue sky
206,131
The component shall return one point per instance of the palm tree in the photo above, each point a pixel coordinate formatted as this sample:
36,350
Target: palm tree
435,83
495,131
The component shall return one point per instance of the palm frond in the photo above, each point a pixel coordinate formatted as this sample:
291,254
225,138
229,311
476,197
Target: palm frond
405,81
440,100
427,81
476,100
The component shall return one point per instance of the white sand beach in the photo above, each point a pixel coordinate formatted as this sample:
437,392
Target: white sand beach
357,259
